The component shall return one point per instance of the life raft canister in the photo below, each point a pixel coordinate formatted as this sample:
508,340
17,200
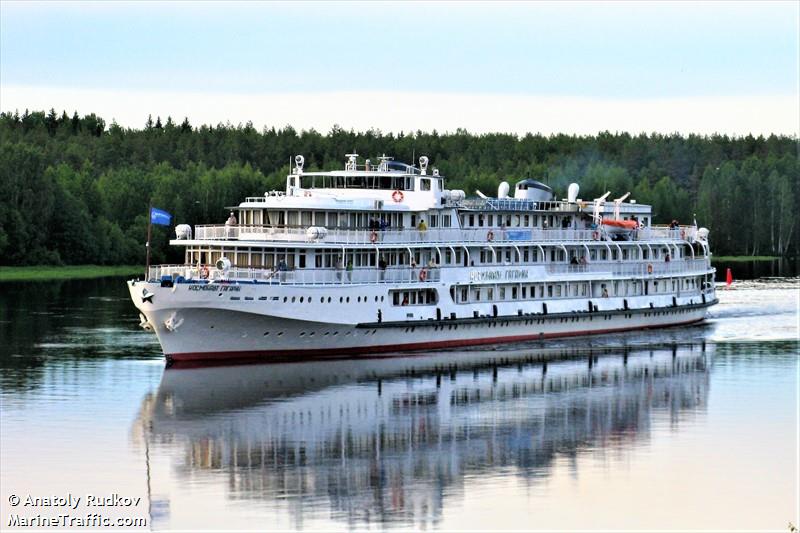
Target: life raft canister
397,196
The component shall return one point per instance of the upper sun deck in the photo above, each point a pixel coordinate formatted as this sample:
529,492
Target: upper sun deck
392,186
386,186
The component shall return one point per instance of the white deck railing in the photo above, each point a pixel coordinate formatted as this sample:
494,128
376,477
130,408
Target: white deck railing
444,236
315,276
636,268
398,275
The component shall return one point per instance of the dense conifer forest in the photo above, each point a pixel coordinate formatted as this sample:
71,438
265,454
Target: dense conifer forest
76,189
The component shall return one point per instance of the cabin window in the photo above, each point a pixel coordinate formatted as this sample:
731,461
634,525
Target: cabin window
424,184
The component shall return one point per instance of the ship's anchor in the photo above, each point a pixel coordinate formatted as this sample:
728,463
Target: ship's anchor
173,322
144,323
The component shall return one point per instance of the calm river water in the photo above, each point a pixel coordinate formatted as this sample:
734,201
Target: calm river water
691,428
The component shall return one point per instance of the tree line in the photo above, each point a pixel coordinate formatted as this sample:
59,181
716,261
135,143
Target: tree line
76,189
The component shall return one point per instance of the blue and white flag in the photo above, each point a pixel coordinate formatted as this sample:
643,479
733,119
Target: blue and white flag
162,218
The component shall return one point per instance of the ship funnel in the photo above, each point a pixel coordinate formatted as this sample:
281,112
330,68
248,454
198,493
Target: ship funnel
572,192
502,190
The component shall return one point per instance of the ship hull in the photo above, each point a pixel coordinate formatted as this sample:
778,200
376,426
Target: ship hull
193,332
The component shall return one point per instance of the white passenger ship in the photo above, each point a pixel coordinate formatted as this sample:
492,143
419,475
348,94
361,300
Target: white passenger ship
382,258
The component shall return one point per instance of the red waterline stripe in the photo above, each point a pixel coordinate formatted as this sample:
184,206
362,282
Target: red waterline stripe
337,353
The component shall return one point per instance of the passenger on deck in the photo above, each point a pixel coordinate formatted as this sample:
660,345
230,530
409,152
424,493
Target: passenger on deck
605,292
573,261
339,268
230,232
382,264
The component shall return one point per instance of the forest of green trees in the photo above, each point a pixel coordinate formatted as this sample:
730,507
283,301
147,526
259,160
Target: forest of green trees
76,190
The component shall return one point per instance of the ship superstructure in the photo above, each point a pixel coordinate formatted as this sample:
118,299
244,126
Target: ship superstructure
383,257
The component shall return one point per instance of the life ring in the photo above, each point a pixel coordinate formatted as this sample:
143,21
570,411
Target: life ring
423,274
649,268
373,237
397,196
490,236
595,235
204,272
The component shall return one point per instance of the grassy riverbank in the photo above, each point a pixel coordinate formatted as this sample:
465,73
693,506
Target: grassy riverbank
744,258
44,273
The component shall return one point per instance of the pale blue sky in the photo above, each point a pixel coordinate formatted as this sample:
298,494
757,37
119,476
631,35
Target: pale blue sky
593,51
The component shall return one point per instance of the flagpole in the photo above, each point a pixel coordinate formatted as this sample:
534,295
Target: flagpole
149,230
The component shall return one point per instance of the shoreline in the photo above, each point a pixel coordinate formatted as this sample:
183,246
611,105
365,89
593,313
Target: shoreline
49,273
746,258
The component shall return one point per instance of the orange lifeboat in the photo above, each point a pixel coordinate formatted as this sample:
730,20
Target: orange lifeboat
616,226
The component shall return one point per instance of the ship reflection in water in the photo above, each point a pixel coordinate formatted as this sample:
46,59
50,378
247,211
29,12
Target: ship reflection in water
393,441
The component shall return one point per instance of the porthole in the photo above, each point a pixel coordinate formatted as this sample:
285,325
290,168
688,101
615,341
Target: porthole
329,299
359,299
266,333
285,299
311,334
302,333
347,299
301,299
280,333
341,299
293,299
381,298
322,300
335,333
376,299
